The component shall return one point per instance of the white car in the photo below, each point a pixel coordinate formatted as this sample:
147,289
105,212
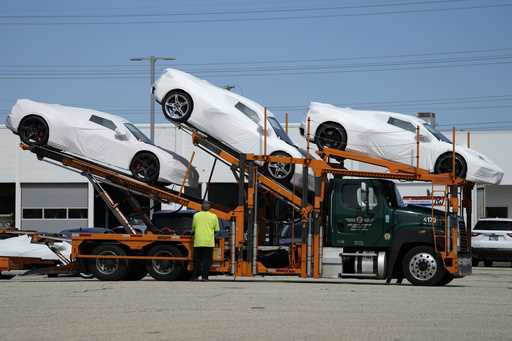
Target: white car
233,119
98,136
491,240
393,136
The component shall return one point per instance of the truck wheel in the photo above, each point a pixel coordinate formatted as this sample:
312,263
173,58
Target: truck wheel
109,269
422,266
136,270
165,270
448,277
475,262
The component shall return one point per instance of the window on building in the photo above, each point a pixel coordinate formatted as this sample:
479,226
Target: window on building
77,213
103,122
32,213
402,124
496,212
253,115
55,213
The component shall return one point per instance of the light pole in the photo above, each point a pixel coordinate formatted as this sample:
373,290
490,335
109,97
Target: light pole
152,61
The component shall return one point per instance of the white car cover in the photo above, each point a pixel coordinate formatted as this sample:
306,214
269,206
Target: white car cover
99,136
392,136
229,117
22,246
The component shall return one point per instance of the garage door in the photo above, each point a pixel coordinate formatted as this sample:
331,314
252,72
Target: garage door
53,207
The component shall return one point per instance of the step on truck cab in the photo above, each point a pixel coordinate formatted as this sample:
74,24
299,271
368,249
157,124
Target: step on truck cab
371,233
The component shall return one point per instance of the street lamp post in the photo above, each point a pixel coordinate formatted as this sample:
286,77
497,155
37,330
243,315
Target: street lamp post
152,61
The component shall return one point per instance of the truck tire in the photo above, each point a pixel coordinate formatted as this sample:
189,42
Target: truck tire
422,266
488,263
109,269
475,261
448,277
165,270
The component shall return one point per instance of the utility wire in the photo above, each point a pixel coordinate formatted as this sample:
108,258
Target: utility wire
254,19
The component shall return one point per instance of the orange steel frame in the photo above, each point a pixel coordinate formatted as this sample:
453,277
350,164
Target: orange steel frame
321,167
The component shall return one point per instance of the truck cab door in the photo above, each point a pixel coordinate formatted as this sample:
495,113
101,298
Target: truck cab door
358,216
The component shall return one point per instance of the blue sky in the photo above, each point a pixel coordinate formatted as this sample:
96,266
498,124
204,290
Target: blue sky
449,57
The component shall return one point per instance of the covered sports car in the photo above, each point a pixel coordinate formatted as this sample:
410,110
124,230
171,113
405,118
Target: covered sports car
98,136
233,119
393,136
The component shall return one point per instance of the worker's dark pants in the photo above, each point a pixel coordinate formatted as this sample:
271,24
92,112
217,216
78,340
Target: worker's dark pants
202,261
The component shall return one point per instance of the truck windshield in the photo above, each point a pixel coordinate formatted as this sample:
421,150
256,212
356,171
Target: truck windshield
279,130
139,135
437,134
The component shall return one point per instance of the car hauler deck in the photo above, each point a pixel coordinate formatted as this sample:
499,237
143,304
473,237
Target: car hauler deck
350,227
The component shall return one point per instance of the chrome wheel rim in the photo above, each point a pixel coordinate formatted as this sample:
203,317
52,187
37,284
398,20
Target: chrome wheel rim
177,106
163,267
423,266
279,170
107,266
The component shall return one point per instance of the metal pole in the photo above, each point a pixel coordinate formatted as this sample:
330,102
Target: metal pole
286,122
152,62
265,133
255,226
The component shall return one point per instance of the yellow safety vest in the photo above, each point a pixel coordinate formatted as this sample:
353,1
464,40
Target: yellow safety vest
204,226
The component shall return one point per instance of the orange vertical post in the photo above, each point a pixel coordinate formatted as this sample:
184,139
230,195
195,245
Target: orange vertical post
417,148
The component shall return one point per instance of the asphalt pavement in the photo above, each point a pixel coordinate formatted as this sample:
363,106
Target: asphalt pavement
478,307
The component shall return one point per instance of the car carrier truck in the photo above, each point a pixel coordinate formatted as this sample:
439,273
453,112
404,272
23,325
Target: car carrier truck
354,224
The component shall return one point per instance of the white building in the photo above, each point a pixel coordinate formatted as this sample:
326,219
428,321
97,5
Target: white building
45,197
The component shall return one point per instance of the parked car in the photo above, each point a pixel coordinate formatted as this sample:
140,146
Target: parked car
228,117
491,240
99,136
180,222
393,136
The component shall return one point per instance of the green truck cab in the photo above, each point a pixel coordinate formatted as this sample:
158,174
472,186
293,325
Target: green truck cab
371,233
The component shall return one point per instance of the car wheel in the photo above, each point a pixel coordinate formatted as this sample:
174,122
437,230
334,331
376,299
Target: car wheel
331,135
475,262
33,130
488,263
279,171
422,266
165,270
106,269
177,106
145,167
444,165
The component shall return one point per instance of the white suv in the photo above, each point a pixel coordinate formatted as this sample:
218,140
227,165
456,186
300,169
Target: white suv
491,240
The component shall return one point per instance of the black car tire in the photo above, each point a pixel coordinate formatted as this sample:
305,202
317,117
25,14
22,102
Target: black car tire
109,269
33,130
177,106
165,270
332,135
145,166
282,172
444,165
423,266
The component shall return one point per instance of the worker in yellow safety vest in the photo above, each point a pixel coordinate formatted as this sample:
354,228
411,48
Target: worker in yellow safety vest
204,226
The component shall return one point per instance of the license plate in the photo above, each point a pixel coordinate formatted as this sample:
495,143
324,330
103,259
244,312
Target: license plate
493,237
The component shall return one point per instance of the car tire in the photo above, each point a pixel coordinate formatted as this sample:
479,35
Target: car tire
145,166
33,130
488,263
109,269
331,135
423,266
281,172
444,165
177,106
165,270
